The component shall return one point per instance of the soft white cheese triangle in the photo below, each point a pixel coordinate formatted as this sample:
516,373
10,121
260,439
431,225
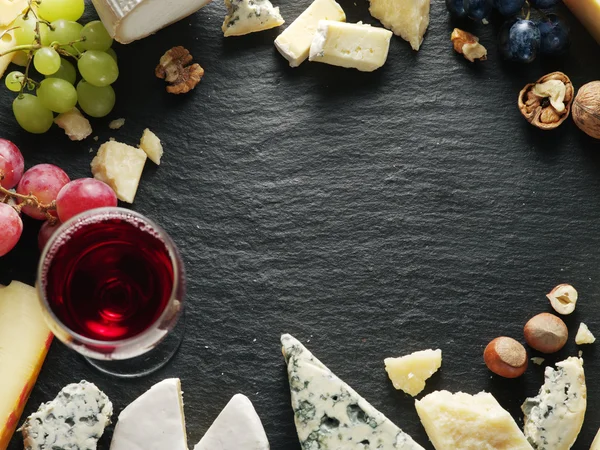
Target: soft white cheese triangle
553,418
250,16
329,414
238,427
469,422
154,421
408,19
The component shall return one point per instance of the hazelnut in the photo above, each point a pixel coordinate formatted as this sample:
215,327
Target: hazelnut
468,45
547,103
563,298
505,357
586,109
546,333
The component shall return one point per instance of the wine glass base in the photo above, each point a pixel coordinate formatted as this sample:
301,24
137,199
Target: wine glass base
147,363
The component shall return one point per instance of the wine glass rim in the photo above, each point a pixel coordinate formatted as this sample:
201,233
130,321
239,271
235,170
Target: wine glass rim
108,212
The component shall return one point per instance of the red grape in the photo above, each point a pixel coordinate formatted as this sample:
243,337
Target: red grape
46,233
12,164
11,226
45,182
81,195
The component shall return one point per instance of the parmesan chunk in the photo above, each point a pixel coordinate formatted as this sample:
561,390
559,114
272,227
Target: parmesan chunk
408,19
584,335
410,372
76,126
150,143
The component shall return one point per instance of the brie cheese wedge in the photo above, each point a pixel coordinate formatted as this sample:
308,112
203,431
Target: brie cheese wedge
130,20
238,427
154,421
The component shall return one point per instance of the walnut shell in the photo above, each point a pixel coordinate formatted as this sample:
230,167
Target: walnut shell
586,109
538,111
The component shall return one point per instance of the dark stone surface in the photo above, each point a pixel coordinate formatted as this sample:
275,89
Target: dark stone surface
370,214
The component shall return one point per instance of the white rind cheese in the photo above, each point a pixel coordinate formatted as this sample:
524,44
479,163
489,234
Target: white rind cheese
408,19
462,421
250,16
74,420
554,418
329,414
410,372
130,20
294,43
154,421
238,427
350,45
584,335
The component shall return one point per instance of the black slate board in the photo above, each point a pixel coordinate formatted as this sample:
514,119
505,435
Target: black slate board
370,215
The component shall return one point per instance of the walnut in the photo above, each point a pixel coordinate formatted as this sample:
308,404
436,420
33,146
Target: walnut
174,68
467,44
586,109
547,102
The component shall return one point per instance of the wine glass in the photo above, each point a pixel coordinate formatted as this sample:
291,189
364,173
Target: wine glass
111,283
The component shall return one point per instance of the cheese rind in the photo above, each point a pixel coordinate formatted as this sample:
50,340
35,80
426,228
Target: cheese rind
154,421
329,414
554,418
250,16
588,12
350,45
584,335
295,42
469,422
410,372
408,19
238,427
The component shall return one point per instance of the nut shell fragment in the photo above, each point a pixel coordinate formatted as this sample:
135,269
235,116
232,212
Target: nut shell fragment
175,68
468,45
586,109
547,103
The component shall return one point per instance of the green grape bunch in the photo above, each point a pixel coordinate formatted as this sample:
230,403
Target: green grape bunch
51,41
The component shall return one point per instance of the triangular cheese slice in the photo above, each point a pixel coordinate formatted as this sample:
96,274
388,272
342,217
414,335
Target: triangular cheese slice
238,427
154,421
330,414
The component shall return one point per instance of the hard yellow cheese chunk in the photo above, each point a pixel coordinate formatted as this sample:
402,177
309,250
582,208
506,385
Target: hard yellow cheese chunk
469,422
596,443
294,43
7,41
9,10
150,143
408,19
409,373
588,12
351,45
584,335
120,166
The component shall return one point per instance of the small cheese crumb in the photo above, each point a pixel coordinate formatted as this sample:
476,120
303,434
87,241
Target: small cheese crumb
410,372
537,360
95,138
116,124
150,143
584,335
76,126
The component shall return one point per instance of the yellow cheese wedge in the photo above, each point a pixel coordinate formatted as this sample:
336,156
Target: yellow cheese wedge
408,19
410,372
588,12
596,443
24,342
7,41
10,9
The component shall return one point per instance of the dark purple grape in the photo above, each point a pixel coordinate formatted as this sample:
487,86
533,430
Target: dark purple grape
478,9
509,7
554,35
519,40
456,8
544,4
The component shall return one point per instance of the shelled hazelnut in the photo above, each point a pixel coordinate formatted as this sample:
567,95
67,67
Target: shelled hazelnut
563,298
506,357
546,333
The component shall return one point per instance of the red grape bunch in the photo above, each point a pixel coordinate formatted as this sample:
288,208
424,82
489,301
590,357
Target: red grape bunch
43,192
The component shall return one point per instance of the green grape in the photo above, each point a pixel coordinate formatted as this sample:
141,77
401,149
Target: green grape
52,10
98,68
66,72
46,61
20,58
95,101
96,37
112,53
57,95
66,31
24,29
13,81
31,114
45,35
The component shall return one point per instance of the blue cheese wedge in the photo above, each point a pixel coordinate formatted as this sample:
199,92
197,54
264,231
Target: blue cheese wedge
350,45
74,420
238,427
154,421
554,418
295,42
329,414
462,421
250,16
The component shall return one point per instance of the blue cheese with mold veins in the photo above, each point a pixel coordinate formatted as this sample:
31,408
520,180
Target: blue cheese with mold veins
74,420
350,45
329,414
554,418
250,16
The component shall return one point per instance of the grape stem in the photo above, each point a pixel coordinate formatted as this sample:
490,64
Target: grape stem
28,200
